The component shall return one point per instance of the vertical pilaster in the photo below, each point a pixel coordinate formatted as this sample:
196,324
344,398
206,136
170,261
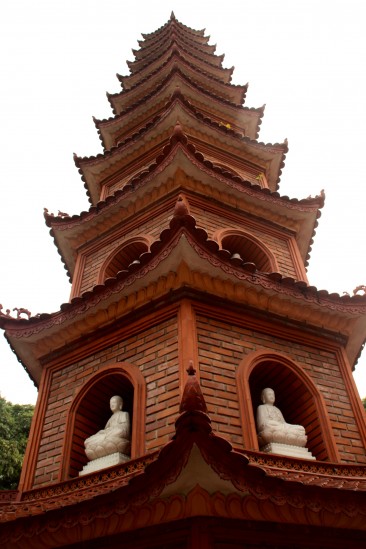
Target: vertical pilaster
188,347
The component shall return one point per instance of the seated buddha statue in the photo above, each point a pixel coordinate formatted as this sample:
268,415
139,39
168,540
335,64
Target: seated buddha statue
272,427
115,437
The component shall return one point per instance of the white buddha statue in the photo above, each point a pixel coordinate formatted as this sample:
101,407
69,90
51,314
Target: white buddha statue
272,427
115,437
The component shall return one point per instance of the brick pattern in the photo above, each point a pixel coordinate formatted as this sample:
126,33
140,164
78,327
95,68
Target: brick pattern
95,259
278,246
155,352
210,221
221,347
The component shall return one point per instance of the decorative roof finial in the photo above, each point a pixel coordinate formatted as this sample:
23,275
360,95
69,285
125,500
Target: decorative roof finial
192,399
22,311
7,312
191,370
180,208
178,134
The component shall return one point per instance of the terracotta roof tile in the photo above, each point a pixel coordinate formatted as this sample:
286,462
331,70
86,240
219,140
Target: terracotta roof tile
79,161
182,220
153,93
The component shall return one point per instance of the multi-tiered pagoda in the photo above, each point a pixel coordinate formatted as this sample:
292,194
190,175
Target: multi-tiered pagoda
189,296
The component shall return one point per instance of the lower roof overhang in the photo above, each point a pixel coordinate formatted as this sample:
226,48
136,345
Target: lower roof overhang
184,259
198,476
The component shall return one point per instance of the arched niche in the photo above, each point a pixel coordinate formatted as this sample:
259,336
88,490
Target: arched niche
122,257
296,396
90,412
250,248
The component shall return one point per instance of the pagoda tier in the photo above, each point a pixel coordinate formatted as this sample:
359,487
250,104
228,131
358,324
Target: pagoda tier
255,162
189,297
174,50
204,52
144,54
176,32
233,93
181,167
242,120
197,492
197,36
183,255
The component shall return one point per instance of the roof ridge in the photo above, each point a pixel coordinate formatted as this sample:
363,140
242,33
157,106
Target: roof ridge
178,96
195,55
206,75
169,37
180,139
176,70
180,222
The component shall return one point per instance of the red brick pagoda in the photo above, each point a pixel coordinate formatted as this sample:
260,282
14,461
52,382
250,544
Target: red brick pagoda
189,297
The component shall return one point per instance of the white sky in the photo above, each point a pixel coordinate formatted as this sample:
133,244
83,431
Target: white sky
304,59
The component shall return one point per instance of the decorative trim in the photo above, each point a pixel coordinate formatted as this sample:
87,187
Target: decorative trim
286,286
76,275
135,377
140,239
298,261
352,392
259,505
98,482
246,367
223,233
35,434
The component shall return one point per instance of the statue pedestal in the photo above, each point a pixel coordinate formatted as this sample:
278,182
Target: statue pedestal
103,462
287,450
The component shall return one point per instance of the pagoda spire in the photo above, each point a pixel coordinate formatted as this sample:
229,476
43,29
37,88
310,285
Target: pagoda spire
189,297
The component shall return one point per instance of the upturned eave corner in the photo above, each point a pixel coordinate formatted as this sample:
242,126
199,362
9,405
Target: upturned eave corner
305,211
184,257
190,312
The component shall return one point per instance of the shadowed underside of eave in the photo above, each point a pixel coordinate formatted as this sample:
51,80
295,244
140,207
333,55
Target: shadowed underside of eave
182,259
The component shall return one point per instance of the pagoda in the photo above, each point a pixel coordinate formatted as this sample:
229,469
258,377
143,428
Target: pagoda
189,297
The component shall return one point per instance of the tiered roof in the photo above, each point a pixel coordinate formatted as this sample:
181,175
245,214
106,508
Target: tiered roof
181,142
180,126
184,256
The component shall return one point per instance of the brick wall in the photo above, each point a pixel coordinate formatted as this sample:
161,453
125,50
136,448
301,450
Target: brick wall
211,222
221,348
95,259
155,352
279,247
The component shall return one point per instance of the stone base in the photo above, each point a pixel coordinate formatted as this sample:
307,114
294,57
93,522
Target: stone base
103,462
287,450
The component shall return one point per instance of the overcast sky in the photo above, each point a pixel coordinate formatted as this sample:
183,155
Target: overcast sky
304,60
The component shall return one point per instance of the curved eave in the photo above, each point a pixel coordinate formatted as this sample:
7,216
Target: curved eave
242,119
180,154
93,169
149,50
205,52
173,22
219,74
148,45
196,465
144,54
184,257
120,105
202,53
234,93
